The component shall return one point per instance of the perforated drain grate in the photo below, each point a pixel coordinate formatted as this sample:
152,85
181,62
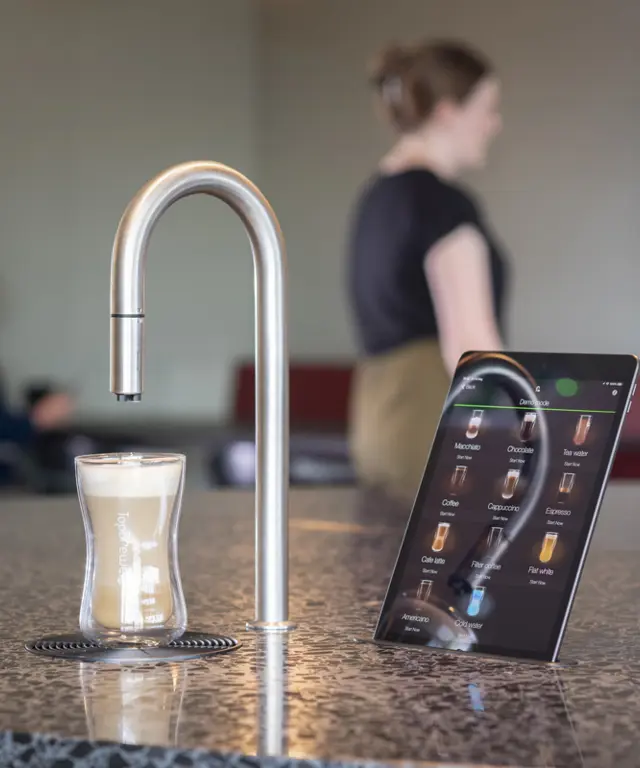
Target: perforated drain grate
192,645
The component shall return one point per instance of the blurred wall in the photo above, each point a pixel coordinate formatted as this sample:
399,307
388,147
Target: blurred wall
563,185
97,97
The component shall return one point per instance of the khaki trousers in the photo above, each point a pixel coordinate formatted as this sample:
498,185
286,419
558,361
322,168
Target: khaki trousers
396,403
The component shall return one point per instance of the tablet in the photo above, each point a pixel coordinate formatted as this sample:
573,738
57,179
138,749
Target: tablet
499,531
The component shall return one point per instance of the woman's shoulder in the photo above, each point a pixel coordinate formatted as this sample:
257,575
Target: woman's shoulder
457,197
427,189
419,202
384,195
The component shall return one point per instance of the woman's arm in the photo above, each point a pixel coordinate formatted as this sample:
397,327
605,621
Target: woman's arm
458,274
48,413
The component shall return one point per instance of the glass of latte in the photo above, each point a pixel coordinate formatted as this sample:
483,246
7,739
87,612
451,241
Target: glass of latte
131,506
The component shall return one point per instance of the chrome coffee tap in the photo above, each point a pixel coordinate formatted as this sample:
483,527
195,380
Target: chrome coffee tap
128,267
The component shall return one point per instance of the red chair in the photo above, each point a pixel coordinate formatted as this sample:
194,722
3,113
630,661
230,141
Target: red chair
319,402
319,406
627,462
318,395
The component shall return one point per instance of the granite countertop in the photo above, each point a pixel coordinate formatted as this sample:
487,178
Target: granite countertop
318,694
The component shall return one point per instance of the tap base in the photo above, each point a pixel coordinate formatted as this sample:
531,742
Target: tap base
76,647
270,626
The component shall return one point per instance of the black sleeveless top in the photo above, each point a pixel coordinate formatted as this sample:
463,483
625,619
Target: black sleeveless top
397,221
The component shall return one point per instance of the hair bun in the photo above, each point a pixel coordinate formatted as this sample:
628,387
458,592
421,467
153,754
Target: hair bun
410,80
392,62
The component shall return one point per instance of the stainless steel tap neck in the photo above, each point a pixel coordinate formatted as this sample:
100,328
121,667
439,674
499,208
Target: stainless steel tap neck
128,267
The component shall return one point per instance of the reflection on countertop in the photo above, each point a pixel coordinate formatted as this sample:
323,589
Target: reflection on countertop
323,693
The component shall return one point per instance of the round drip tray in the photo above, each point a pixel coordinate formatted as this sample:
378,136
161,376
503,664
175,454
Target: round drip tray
192,645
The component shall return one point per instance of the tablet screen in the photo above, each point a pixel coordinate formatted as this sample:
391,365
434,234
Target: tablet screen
471,574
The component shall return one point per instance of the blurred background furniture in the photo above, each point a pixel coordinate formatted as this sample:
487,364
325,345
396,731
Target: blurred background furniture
627,463
319,406
223,454
46,467
319,393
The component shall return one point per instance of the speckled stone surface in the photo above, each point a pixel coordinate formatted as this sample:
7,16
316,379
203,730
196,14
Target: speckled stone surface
317,695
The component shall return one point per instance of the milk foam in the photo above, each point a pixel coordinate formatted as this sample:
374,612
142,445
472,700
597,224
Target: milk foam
130,480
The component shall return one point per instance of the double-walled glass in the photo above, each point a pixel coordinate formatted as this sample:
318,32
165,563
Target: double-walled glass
131,507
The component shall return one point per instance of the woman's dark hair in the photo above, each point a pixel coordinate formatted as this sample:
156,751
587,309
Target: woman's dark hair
412,80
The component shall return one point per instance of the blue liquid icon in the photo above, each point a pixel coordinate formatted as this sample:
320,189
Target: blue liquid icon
475,695
474,603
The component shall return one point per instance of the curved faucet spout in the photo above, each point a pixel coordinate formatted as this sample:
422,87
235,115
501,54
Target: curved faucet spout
128,266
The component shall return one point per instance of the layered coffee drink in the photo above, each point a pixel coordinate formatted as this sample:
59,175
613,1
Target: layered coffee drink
131,509
527,425
440,537
565,487
474,425
510,483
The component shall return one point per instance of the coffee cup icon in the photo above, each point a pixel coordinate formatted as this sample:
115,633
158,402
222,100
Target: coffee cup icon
510,484
440,537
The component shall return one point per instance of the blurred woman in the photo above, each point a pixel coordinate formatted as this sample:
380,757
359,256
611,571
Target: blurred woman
20,431
427,279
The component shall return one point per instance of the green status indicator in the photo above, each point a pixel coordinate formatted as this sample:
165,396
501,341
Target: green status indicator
567,387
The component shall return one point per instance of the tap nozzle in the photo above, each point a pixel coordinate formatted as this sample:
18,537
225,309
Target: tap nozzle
127,343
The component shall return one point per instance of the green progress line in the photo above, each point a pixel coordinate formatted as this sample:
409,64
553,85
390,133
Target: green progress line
530,408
